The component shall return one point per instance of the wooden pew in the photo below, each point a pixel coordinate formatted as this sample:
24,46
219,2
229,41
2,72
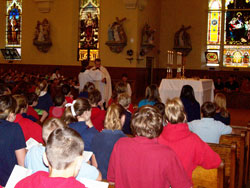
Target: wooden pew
240,153
237,130
228,155
209,178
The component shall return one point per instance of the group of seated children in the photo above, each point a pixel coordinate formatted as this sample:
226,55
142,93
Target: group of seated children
164,150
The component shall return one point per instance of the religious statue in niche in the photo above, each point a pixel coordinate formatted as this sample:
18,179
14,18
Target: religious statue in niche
182,41
42,36
147,39
89,31
117,38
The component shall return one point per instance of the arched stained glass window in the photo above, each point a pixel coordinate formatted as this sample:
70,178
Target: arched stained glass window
229,31
14,24
88,40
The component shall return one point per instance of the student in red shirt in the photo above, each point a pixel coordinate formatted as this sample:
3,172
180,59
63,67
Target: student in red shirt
63,155
97,114
141,161
190,149
30,128
66,91
32,100
57,110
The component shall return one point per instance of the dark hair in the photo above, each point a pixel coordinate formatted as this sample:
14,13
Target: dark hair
79,106
147,122
94,97
63,146
85,64
7,106
3,89
208,109
187,92
161,107
152,93
124,75
59,99
65,89
31,97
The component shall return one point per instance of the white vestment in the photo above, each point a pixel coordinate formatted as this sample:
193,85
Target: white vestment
89,76
104,88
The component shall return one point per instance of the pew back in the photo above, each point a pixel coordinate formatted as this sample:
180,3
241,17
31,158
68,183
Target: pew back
209,178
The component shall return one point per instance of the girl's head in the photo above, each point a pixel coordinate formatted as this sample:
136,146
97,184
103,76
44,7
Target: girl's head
115,117
187,92
221,104
88,87
174,111
220,101
7,107
79,108
22,103
152,93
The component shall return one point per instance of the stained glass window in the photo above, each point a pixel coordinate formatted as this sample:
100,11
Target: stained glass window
235,48
88,40
14,24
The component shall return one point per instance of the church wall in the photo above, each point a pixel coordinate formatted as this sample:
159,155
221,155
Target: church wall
182,12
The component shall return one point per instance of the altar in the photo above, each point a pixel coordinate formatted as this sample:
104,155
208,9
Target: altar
203,89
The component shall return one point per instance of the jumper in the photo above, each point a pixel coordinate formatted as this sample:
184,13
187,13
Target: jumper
142,162
34,162
86,133
102,146
97,118
30,128
42,180
11,139
209,130
190,149
56,112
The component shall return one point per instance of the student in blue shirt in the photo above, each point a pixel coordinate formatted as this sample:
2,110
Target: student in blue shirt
103,142
152,96
12,142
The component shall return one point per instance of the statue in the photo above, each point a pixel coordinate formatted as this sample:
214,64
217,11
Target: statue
182,41
42,36
117,38
147,35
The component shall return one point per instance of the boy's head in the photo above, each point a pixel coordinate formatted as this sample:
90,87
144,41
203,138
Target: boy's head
32,99
59,100
208,110
174,111
95,97
124,99
64,151
50,125
147,122
21,102
65,89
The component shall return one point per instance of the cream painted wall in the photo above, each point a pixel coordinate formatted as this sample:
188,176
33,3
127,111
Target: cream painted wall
165,16
182,12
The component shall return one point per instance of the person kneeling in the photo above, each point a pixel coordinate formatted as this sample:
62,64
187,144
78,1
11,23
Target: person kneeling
63,155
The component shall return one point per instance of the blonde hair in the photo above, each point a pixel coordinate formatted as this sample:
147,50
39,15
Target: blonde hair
124,99
113,117
7,106
174,111
21,102
147,122
50,125
221,104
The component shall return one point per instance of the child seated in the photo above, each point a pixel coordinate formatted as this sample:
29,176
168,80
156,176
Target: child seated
34,157
125,100
125,81
97,114
66,91
63,155
32,100
30,128
57,110
12,142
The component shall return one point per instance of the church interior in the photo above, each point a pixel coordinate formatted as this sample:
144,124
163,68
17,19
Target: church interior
148,40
